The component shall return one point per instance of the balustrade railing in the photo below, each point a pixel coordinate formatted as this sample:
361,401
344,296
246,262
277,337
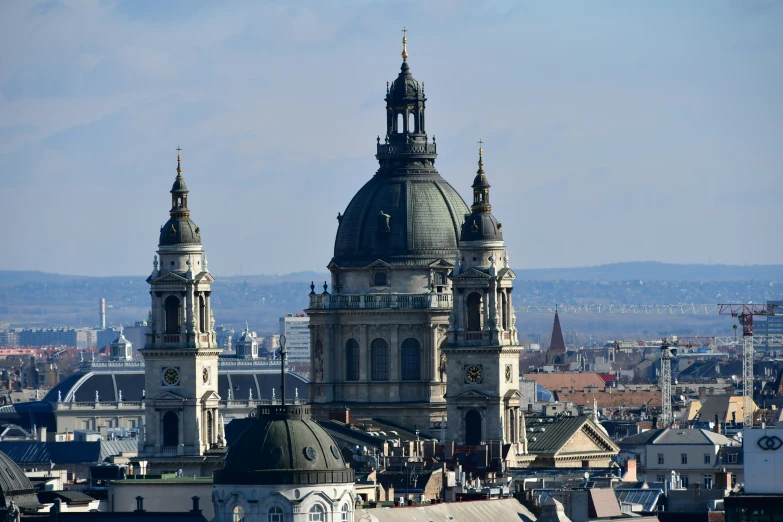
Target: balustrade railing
380,301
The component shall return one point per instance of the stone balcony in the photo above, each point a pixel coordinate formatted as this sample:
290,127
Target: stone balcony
380,301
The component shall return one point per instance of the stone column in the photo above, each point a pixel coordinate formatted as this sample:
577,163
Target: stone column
183,328
487,318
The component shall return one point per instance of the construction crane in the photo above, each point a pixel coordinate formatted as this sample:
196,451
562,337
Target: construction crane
666,383
745,313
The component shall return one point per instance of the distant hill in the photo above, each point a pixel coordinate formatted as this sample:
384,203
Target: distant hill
655,271
638,270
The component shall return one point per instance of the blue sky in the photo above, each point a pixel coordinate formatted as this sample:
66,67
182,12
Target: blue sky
613,131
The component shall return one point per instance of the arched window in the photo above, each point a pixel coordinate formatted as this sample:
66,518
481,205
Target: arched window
209,427
504,309
411,122
170,429
475,312
275,514
202,314
380,279
352,360
344,513
472,428
379,360
237,514
399,123
411,360
173,313
316,514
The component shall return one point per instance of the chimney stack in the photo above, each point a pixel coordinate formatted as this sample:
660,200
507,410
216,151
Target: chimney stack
102,312
139,504
717,425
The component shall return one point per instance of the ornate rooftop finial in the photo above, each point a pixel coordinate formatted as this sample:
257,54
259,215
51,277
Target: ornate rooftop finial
481,154
179,161
404,42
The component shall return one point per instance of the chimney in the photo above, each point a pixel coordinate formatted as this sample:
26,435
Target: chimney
102,312
723,479
717,425
630,471
448,449
340,414
530,408
139,504
42,434
195,499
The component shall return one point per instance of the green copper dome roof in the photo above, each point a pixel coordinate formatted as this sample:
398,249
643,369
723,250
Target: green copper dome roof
406,214
423,217
179,229
284,446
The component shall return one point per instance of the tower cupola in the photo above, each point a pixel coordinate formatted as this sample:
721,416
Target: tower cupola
481,225
179,229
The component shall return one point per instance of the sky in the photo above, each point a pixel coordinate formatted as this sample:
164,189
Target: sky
613,130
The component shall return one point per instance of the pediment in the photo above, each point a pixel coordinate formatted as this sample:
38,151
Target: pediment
169,396
205,277
441,263
471,394
332,265
512,394
169,277
506,273
588,439
379,263
210,396
472,273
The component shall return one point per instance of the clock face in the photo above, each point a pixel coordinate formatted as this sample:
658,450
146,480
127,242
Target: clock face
508,373
473,373
171,376
205,374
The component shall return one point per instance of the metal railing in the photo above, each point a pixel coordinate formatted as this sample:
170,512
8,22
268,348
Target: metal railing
380,301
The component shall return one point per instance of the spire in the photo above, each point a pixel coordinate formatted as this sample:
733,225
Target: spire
404,43
557,344
179,191
481,185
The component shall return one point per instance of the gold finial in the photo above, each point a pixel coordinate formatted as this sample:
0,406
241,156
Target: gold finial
404,42
481,154
179,159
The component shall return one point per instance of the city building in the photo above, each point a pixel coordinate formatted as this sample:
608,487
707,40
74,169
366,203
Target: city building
394,248
247,345
76,337
695,455
296,329
772,325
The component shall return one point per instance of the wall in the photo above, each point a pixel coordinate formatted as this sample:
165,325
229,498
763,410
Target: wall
161,496
766,464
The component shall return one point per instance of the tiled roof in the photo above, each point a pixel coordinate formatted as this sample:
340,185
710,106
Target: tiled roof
560,380
616,399
642,438
556,434
33,452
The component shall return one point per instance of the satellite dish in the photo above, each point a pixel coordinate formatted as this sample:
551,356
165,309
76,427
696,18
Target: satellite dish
682,398
587,475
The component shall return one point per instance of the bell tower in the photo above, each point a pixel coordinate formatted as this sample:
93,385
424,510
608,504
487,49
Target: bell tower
181,351
482,355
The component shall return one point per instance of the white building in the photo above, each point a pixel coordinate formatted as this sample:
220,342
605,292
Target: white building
297,334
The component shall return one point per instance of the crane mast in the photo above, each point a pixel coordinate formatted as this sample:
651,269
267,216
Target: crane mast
666,384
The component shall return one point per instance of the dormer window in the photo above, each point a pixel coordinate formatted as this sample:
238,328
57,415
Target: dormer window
380,279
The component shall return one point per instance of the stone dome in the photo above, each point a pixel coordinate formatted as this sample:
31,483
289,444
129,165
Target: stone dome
402,218
284,446
179,230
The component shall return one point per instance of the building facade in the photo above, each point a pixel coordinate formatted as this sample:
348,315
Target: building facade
376,338
296,329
